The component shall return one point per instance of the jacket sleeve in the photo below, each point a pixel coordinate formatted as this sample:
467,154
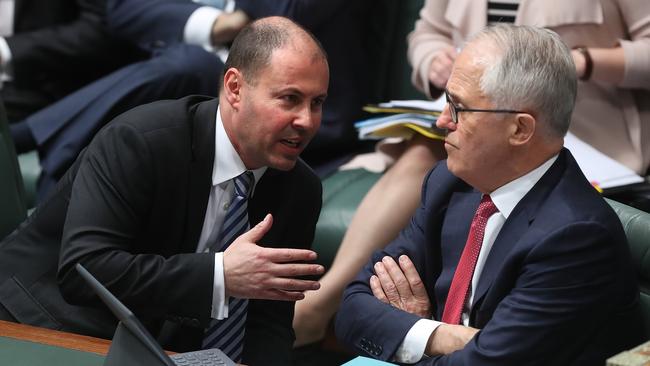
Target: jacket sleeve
371,327
109,206
150,24
64,48
636,15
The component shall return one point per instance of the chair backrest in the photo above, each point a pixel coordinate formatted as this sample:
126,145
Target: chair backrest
12,192
637,229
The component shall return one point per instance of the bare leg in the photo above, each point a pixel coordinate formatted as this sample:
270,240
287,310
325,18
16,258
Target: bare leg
384,211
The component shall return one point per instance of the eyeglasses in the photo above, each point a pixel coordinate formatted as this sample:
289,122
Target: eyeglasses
454,109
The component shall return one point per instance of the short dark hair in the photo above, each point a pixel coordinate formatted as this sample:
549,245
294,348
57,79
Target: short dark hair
252,48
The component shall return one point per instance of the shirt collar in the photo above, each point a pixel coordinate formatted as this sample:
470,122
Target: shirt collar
227,163
508,195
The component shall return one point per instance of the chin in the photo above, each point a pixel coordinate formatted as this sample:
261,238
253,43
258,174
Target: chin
456,169
283,164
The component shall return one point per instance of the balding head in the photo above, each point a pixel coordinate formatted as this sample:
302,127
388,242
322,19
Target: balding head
252,48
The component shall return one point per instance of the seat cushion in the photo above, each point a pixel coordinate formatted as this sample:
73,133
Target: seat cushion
342,193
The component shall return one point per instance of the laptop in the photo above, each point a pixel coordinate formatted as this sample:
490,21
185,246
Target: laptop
133,345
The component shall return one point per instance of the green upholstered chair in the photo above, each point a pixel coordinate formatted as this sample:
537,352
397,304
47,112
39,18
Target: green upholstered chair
30,169
342,193
12,193
637,229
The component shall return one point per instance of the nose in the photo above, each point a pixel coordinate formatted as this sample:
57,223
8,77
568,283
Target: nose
307,119
444,120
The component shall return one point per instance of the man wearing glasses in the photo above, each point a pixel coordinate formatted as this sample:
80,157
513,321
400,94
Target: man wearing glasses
512,258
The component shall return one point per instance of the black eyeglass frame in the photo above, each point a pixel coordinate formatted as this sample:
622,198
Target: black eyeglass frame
454,109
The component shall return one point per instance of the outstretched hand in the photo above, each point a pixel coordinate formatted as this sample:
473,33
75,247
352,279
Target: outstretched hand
256,272
400,286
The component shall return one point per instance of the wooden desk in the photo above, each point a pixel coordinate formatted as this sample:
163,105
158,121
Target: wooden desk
54,338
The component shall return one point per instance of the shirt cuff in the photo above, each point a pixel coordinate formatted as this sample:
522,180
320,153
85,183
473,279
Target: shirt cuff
412,348
219,304
198,29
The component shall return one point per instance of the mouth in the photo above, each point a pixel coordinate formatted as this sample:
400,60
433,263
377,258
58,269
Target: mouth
294,143
450,144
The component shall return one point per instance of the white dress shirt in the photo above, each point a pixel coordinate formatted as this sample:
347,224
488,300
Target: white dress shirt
198,28
505,198
227,165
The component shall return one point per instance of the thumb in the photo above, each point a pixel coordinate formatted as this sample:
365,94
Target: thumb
258,231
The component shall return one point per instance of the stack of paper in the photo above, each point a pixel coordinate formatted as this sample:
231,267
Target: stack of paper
405,118
402,125
429,107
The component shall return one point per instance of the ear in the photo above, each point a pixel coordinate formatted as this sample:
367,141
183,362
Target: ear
522,129
232,84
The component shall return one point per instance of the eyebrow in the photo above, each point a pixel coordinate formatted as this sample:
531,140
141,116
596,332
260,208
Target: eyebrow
453,97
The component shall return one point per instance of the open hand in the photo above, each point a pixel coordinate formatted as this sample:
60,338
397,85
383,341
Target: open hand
256,272
400,286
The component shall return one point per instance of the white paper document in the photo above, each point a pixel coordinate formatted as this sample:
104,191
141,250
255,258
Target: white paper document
599,168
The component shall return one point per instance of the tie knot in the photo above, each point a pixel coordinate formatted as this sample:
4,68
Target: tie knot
486,208
243,183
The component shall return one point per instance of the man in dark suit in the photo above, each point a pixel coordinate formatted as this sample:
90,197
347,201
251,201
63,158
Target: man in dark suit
55,47
176,34
541,274
146,202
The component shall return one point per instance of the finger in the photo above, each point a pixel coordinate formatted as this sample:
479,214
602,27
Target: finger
258,231
283,255
375,286
396,274
387,284
292,284
445,66
440,71
450,52
296,269
412,276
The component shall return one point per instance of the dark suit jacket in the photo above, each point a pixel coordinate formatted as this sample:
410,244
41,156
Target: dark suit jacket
59,46
136,209
557,288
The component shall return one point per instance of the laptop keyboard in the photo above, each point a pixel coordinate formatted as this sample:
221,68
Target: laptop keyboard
207,357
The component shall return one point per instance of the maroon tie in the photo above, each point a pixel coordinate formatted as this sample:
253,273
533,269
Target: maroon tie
460,285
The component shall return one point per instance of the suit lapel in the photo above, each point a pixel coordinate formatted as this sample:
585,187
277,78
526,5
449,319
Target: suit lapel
516,225
203,120
455,229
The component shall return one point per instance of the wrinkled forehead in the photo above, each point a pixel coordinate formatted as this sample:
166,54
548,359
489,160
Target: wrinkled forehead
470,64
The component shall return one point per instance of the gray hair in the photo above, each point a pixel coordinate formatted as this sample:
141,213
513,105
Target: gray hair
534,72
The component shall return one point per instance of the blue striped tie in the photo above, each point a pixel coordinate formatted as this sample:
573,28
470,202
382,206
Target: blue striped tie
228,334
